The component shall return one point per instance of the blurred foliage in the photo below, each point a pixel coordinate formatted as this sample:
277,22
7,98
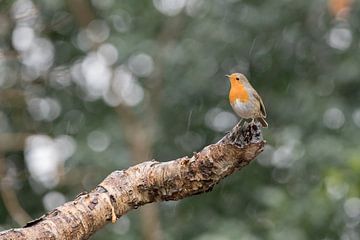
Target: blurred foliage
62,82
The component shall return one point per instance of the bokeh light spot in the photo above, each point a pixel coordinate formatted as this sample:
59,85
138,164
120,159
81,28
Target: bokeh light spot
109,53
141,64
97,75
125,88
220,120
22,38
53,199
334,118
98,31
44,157
340,38
44,109
169,7
98,141
356,117
352,207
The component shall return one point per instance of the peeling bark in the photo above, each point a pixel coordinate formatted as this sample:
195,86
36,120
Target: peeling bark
144,183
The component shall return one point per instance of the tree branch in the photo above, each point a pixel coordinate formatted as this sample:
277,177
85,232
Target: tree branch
82,12
12,141
8,195
144,183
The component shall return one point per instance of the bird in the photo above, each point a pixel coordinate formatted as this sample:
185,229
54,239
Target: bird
244,99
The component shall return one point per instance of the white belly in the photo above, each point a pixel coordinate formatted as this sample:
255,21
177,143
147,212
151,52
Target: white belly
245,110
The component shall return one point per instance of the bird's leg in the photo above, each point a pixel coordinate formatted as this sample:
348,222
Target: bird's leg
240,121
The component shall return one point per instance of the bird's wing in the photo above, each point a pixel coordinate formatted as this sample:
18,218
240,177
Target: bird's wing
262,107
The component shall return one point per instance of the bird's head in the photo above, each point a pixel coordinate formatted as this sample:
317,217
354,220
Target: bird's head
236,78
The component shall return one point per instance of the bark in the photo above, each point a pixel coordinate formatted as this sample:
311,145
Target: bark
144,183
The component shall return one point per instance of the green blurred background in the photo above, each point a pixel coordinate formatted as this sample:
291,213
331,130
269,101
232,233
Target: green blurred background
88,87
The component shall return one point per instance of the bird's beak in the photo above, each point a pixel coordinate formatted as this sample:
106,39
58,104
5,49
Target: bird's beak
227,75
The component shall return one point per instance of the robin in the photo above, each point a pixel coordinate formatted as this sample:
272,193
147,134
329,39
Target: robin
244,99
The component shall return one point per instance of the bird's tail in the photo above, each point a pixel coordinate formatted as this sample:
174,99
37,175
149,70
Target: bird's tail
264,124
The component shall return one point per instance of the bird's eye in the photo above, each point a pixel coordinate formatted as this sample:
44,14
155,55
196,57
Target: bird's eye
237,78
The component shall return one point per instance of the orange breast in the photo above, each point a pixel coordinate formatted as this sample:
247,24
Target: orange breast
238,91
